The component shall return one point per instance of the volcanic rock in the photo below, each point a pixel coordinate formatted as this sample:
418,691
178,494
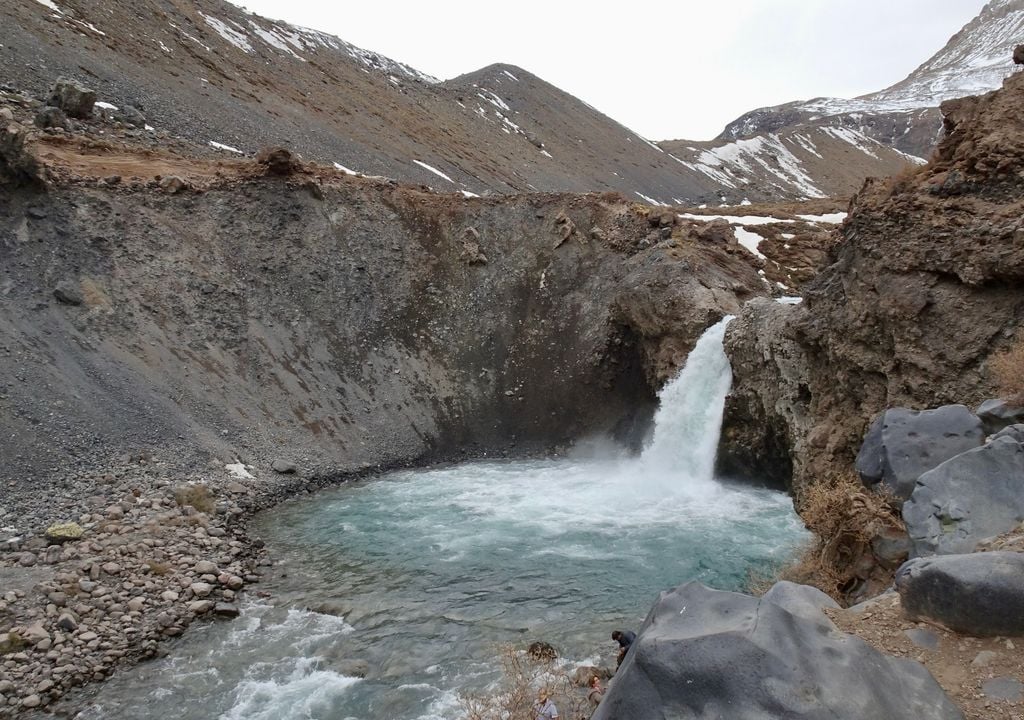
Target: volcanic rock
74,99
979,594
707,653
997,414
902,444
969,498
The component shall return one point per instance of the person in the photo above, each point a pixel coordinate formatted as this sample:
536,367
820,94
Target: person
625,639
596,692
544,709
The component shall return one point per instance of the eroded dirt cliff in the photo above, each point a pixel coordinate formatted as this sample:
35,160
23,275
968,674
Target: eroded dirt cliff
348,322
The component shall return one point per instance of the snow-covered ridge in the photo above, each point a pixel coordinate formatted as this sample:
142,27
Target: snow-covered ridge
296,41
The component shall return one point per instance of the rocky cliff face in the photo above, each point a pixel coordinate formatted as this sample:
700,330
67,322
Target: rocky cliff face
230,313
924,286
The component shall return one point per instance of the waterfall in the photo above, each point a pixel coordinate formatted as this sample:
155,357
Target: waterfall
689,417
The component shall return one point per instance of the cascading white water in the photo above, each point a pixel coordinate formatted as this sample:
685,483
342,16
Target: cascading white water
681,456
434,569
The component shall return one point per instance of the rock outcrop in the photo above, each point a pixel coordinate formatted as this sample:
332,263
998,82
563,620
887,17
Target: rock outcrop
706,653
922,289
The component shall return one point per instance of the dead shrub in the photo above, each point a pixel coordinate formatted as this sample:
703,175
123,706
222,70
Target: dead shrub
845,518
522,677
1007,368
905,179
198,496
159,568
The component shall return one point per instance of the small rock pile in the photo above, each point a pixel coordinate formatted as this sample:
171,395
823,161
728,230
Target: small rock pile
89,595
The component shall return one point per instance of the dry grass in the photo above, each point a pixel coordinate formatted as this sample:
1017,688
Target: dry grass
522,678
159,568
1007,369
844,517
198,496
904,179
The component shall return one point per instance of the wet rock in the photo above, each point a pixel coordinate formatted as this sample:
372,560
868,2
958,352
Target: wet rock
74,99
542,651
707,653
965,500
200,607
226,610
68,293
902,444
979,594
201,589
32,701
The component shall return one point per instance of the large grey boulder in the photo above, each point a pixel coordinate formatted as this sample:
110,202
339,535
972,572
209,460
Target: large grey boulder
996,414
979,594
902,444
704,653
1014,432
74,99
974,496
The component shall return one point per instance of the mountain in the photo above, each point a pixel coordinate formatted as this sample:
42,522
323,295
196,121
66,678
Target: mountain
830,144
211,73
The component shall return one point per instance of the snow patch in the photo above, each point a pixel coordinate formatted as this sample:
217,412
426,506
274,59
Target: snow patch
735,219
236,37
650,200
104,105
222,146
749,240
789,300
342,168
434,170
272,38
238,470
51,5
831,218
545,152
467,193
511,75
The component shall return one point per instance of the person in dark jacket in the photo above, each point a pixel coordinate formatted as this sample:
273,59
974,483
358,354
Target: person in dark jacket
625,640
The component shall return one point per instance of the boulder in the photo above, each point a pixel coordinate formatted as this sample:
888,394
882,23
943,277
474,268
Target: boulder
1018,55
51,117
902,444
64,532
278,161
978,594
997,414
543,651
705,653
1014,432
74,99
284,467
68,293
969,498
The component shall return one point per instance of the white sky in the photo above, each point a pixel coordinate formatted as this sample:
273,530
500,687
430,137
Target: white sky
667,70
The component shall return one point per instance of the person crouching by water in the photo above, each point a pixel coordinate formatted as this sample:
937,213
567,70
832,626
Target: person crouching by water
624,639
544,709
596,693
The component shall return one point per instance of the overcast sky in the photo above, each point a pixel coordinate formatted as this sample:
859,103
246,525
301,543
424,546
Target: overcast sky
665,69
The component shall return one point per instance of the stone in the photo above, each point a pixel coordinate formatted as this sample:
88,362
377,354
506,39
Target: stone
32,701
115,512
172,184
351,668
136,604
168,596
967,499
1014,432
226,610
64,532
978,594
35,633
51,117
997,414
201,589
705,653
903,444
278,161
88,636
1018,55
924,639
131,115
112,568
67,621
1004,688
205,567
27,559
74,99
984,658
200,607
802,600
68,293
